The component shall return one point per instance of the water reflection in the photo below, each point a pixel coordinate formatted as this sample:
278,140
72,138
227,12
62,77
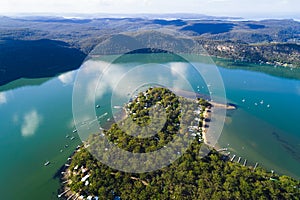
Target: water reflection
3,98
67,78
31,122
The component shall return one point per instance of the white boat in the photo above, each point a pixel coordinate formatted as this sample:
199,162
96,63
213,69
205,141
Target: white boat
74,131
97,106
72,138
47,163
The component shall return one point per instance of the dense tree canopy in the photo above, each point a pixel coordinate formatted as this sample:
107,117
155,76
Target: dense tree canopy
189,177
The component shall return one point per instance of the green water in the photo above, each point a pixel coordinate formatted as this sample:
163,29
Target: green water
256,132
26,143
24,151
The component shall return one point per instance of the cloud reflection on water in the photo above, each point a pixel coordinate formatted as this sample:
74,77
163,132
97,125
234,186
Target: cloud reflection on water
67,78
3,98
31,122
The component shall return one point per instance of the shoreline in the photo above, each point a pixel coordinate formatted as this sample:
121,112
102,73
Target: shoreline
220,105
66,193
206,115
189,94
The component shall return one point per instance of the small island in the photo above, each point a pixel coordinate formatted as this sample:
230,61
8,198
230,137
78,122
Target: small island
191,176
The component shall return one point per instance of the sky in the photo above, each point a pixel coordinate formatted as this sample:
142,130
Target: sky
237,8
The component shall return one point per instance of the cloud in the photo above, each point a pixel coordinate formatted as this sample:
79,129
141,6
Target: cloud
102,77
31,122
179,71
3,98
219,0
67,78
73,6
241,8
179,68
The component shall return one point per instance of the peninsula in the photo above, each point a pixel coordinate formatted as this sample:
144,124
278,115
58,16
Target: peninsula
189,177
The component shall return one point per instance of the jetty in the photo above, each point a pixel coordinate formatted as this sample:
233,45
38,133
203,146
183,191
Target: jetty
61,194
233,157
256,164
70,197
245,162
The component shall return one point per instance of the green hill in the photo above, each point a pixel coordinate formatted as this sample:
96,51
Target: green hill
189,177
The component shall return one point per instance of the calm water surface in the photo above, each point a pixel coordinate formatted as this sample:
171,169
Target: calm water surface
36,124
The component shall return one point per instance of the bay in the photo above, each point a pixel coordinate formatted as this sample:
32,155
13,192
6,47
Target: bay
37,122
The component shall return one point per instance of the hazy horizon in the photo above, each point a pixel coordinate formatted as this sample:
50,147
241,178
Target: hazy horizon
147,15
220,8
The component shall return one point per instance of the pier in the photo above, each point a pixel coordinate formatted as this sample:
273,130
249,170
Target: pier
70,197
61,194
239,160
245,162
76,196
256,164
233,157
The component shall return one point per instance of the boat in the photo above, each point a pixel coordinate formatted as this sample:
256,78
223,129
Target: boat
97,106
72,138
47,163
74,131
66,146
243,100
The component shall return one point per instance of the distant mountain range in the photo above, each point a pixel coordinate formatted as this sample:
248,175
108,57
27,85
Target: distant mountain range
274,42
183,16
